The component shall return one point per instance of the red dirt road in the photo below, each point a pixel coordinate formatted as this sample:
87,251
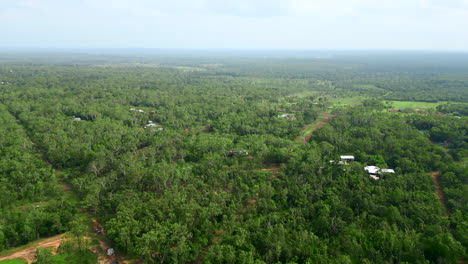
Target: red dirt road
29,253
324,120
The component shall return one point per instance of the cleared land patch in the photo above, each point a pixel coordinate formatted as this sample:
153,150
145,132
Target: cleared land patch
414,104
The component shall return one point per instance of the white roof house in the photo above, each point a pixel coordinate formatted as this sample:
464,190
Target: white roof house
347,157
372,169
77,119
287,116
154,126
140,111
339,162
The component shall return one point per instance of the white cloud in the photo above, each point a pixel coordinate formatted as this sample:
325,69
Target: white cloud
240,23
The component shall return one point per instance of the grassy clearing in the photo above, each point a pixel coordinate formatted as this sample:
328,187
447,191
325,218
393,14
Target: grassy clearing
347,101
68,193
75,258
309,128
305,94
13,261
414,105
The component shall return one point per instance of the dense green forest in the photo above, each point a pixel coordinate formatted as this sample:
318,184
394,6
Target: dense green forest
196,158
25,179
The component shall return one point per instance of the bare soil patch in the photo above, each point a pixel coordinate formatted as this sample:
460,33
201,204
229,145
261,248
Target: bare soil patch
29,253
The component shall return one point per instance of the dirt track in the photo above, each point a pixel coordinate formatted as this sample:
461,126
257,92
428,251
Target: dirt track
435,179
104,259
324,120
29,253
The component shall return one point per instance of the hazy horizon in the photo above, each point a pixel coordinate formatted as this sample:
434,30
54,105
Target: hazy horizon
300,25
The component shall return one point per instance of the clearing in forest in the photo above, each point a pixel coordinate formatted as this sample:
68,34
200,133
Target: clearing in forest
440,195
28,251
414,104
307,131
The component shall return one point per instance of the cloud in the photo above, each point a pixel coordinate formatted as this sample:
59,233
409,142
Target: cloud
241,8
235,24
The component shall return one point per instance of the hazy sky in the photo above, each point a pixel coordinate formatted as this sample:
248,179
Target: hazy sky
240,24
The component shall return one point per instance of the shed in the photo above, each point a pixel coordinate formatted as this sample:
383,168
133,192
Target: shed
347,157
372,169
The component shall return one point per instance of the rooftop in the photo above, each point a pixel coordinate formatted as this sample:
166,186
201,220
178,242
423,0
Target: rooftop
372,169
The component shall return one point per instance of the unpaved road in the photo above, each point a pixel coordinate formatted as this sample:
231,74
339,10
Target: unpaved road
324,120
440,195
29,253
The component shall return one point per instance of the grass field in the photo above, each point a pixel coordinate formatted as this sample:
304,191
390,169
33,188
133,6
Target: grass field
305,93
347,101
77,258
414,105
13,261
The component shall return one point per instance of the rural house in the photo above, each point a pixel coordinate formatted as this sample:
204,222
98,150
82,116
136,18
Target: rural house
374,171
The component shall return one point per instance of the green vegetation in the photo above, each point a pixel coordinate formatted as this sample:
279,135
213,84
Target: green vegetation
76,257
309,128
196,159
13,261
30,203
414,104
458,109
347,101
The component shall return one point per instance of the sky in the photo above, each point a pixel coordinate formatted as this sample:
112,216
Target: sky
236,24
